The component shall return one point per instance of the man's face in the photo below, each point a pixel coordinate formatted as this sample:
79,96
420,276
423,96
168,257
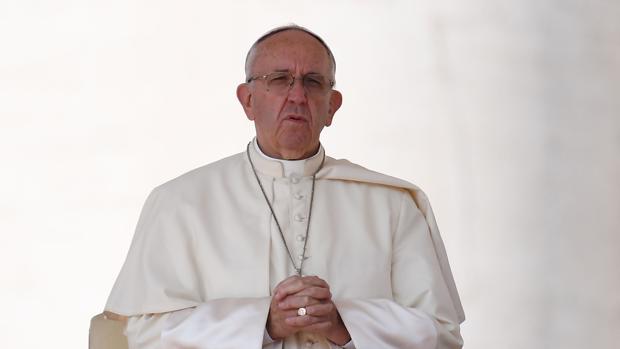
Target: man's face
288,124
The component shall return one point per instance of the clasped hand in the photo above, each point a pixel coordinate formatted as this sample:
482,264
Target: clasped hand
321,316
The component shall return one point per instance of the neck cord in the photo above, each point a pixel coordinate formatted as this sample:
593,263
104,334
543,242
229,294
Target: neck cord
273,214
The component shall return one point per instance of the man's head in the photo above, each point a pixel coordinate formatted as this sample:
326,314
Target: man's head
289,118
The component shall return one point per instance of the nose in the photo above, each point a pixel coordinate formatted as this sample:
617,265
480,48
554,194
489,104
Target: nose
297,92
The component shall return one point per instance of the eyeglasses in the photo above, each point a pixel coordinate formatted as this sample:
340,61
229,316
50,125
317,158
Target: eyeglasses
281,82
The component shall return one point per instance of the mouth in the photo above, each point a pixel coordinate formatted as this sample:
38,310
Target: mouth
295,118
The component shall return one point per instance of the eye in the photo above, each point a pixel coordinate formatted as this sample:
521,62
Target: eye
279,79
313,81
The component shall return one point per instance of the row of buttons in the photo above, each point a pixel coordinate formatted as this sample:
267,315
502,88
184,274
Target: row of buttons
299,218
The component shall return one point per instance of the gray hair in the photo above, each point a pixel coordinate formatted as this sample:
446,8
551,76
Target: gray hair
249,58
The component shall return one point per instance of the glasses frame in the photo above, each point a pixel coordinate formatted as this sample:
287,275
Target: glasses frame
292,78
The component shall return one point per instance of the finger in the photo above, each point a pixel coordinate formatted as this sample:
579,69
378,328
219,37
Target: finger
284,284
320,309
305,320
295,302
296,285
319,327
280,308
285,314
286,281
315,292
315,280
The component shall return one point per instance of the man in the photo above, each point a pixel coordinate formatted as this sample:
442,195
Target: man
281,246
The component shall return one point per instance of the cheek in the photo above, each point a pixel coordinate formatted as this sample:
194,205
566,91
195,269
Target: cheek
265,112
320,113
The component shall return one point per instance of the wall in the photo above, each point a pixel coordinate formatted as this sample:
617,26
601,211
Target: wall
505,112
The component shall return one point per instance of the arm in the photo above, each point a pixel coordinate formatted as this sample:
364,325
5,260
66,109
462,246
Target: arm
161,288
421,313
222,323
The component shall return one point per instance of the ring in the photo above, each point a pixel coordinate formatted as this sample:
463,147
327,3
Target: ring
301,311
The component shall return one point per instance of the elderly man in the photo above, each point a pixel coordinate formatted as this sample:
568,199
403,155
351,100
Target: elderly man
281,246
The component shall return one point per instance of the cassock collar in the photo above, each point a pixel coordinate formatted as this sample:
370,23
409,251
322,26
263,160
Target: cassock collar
285,168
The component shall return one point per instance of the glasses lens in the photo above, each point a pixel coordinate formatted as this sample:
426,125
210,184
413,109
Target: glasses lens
279,82
315,83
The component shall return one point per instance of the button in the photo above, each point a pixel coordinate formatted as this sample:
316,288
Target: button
300,257
294,180
299,218
301,238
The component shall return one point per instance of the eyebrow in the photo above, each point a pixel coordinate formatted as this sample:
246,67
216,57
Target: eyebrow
288,71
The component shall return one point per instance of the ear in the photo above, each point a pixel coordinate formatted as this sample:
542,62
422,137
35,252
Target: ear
244,95
335,101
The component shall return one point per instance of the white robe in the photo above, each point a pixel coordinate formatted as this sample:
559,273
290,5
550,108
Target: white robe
207,254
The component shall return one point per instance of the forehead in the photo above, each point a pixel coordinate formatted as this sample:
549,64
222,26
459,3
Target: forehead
291,49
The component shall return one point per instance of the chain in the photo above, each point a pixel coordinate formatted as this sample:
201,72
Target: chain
273,214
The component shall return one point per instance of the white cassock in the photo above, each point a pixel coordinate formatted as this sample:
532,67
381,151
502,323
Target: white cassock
207,254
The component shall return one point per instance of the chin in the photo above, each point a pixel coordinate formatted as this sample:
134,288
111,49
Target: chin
295,139
297,145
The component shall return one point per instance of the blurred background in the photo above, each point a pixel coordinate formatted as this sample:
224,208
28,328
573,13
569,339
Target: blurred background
507,113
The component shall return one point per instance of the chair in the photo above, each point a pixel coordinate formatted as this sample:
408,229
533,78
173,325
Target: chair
106,332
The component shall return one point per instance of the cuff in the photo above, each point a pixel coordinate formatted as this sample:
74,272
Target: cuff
349,345
267,338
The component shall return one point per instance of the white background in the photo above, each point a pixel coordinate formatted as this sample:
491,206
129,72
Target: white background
507,113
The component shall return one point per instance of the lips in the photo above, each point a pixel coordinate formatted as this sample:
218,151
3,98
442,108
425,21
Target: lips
296,118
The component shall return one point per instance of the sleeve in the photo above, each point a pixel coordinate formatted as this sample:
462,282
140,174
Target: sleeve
223,323
348,345
421,314
267,340
160,273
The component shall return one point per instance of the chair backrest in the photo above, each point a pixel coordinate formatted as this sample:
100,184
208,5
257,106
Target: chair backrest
106,333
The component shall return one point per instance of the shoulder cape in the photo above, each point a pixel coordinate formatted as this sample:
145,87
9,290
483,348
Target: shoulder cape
149,282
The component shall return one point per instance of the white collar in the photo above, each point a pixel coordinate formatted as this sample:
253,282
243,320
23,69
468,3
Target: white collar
285,168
